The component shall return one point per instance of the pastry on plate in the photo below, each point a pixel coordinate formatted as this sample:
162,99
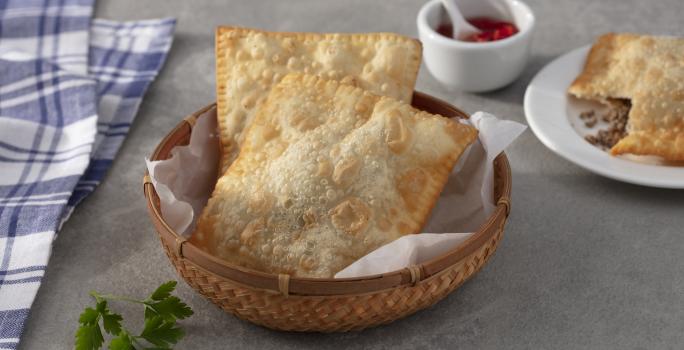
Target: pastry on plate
649,72
249,62
327,173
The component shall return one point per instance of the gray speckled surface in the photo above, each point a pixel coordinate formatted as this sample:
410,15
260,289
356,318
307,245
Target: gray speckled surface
586,262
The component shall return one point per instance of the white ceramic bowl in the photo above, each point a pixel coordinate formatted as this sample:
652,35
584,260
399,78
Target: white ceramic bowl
471,66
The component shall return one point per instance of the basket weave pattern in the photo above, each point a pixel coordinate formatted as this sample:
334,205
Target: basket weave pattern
329,305
330,313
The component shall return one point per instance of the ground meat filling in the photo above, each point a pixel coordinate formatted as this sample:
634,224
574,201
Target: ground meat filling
616,117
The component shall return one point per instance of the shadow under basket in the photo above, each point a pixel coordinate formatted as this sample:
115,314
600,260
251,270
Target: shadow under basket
281,302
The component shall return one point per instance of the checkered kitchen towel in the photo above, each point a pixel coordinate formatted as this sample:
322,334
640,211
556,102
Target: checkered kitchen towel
69,90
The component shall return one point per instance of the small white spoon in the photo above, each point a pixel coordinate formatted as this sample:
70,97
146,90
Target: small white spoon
460,26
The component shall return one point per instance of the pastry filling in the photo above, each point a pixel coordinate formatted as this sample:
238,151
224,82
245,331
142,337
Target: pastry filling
616,118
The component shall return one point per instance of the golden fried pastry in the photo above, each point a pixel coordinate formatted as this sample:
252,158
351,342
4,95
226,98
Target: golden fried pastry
612,68
649,71
249,62
327,173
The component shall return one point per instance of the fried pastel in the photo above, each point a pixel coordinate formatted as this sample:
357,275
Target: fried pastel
612,68
327,173
656,120
249,62
648,70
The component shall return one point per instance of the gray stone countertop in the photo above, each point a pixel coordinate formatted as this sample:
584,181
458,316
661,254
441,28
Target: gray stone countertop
586,262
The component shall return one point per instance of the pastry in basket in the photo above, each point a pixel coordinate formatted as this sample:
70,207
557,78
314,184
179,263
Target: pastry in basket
249,62
327,173
646,72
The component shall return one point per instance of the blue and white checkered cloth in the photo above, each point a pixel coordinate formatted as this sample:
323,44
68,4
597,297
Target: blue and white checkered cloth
69,90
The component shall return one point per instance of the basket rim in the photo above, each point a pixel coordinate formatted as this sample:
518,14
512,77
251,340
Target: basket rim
285,284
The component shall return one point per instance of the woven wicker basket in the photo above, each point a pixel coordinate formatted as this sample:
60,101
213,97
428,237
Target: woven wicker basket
329,305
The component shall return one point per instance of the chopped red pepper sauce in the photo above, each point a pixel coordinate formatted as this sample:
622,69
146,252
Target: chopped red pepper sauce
492,29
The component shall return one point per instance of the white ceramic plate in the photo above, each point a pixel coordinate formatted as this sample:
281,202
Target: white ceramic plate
553,116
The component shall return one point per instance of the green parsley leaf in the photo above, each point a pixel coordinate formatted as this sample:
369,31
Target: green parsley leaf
112,323
162,310
122,342
161,333
89,316
171,308
164,291
149,312
101,306
89,337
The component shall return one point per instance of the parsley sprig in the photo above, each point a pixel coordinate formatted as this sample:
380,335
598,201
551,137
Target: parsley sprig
162,310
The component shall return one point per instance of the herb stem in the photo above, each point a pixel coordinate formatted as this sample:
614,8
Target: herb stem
115,297
136,340
160,330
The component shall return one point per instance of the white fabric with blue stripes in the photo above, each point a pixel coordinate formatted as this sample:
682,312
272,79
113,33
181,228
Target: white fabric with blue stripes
70,88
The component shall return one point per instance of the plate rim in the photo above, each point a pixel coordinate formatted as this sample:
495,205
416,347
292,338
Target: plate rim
612,164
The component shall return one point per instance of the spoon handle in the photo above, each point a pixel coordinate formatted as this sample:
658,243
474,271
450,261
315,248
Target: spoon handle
459,24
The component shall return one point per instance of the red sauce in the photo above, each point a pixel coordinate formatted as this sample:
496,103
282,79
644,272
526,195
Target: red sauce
492,29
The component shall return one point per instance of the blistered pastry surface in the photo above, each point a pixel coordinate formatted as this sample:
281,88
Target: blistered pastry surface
328,172
249,62
649,71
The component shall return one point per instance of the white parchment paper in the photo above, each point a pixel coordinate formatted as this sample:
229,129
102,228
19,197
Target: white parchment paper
184,183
